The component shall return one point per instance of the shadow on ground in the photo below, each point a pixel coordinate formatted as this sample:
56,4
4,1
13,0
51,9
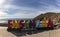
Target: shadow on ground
29,32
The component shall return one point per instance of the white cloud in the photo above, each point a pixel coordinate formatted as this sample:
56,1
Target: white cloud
23,14
2,13
18,14
2,1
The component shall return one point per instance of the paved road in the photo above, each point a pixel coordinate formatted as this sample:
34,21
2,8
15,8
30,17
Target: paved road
5,33
50,33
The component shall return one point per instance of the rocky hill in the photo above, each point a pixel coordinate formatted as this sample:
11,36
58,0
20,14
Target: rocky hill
47,15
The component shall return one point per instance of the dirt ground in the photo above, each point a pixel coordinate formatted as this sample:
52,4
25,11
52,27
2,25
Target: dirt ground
48,33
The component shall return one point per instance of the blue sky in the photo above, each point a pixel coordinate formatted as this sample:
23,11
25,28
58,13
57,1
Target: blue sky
27,8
